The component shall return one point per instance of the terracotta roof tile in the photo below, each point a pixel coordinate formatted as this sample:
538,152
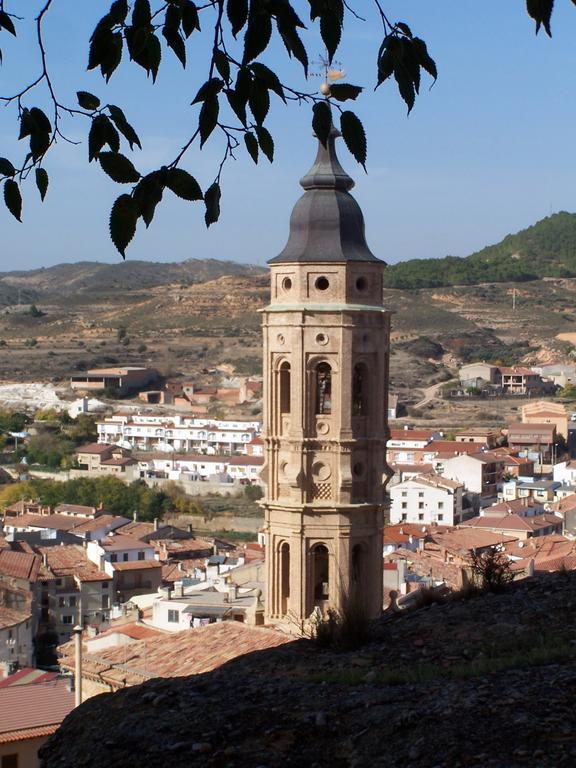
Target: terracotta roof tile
34,706
19,565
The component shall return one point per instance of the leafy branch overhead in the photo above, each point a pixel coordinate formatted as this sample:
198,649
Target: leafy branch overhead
233,98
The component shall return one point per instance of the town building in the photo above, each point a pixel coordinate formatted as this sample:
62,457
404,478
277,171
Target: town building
165,433
537,441
30,714
326,351
103,458
426,499
122,380
546,412
480,472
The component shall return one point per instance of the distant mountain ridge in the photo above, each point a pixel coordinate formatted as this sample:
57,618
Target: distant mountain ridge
98,277
546,249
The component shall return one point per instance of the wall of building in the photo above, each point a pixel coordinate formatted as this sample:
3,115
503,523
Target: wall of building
27,751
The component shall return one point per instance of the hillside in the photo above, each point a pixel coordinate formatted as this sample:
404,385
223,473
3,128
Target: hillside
85,277
484,682
546,249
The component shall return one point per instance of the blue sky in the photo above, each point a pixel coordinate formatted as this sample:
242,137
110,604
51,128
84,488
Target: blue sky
489,150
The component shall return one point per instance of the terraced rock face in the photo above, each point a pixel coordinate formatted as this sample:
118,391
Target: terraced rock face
488,681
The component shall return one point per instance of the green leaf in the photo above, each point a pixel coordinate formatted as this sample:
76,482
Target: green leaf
7,23
404,28
183,184
427,63
113,56
259,100
173,17
344,91
141,15
222,64
118,167
123,219
97,136
541,12
257,36
212,201
237,11
124,126
147,194
13,198
6,167
174,41
42,182
208,118
293,43
238,105
87,100
266,142
39,144
102,40
27,124
270,78
405,85
385,65
251,145
321,121
42,123
208,89
118,11
331,32
354,136
154,55
190,19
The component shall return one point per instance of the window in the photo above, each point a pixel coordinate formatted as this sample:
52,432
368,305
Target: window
67,619
72,601
140,555
404,494
104,585
420,516
285,388
105,601
404,505
9,761
440,517
420,494
440,505
61,602
323,388
420,505
173,616
125,557
113,558
320,572
404,516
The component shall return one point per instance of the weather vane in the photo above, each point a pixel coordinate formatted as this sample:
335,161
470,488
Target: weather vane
331,72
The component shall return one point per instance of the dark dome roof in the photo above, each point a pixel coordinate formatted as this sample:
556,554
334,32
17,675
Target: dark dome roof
326,223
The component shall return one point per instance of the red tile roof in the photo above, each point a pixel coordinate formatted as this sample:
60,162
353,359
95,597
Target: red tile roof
10,617
27,676
55,522
19,565
121,542
137,565
28,708
190,652
71,560
136,529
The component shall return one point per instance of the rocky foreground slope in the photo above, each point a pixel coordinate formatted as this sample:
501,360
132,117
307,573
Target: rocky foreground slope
485,681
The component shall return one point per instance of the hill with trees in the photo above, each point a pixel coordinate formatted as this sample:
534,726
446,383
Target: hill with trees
546,249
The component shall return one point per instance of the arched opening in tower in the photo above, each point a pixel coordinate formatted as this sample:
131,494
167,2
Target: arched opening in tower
320,573
284,577
285,388
323,388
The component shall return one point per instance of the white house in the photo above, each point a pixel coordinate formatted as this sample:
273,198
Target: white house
565,472
192,607
426,499
118,548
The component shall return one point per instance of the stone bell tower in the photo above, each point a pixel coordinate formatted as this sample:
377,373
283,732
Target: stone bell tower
326,350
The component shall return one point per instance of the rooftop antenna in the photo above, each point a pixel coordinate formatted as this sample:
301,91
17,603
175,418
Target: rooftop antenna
330,72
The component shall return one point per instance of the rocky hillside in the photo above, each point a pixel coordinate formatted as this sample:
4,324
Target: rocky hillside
488,681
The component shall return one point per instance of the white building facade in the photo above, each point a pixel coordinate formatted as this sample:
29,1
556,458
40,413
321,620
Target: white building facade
426,500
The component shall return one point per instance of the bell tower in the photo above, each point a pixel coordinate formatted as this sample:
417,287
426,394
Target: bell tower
326,350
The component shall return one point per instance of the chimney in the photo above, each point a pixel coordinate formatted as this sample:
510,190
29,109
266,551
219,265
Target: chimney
45,559
135,516
178,589
155,523
77,665
232,592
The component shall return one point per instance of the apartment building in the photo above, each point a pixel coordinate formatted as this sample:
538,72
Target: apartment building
426,499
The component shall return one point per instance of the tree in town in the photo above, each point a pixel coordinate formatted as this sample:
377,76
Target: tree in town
234,94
